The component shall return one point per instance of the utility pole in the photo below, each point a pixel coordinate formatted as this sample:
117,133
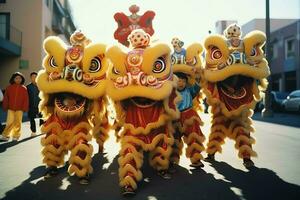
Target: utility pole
267,111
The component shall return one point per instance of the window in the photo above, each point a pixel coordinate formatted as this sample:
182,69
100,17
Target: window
290,48
4,25
2,1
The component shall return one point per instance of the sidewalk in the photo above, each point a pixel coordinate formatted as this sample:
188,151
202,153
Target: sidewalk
287,119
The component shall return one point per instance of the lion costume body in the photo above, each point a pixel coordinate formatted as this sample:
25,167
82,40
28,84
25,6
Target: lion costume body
142,87
234,75
72,86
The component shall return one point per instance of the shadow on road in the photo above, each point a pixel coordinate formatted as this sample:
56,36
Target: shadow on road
255,184
287,119
5,145
258,183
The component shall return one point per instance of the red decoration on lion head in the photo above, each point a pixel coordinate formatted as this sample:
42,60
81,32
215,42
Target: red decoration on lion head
126,24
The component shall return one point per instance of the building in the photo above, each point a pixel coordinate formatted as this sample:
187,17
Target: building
23,27
284,41
221,25
285,58
260,24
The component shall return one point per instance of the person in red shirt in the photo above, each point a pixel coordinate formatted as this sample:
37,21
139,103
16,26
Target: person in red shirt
15,102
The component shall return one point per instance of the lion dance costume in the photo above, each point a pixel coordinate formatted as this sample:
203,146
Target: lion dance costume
233,78
188,62
72,85
142,88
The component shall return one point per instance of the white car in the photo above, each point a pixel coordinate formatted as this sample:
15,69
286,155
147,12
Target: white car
292,102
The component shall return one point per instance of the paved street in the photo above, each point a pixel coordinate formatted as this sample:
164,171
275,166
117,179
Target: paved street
276,175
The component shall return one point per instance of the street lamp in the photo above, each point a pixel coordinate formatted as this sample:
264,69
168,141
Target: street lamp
267,111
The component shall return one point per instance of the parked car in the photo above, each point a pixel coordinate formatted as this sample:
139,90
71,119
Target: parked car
292,102
277,99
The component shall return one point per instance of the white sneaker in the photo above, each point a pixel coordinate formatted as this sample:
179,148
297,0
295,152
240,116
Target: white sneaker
3,138
33,134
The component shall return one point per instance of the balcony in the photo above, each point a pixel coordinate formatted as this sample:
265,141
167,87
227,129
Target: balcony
10,40
57,24
58,15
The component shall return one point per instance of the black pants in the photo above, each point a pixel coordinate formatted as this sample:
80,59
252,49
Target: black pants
32,124
32,115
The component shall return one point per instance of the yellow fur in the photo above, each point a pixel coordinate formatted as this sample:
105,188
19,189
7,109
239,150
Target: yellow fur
55,78
194,136
119,88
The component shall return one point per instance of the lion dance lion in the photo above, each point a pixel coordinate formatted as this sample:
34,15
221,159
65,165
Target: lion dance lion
72,86
143,89
233,78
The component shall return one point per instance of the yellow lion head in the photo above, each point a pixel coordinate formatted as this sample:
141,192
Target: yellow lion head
72,75
143,71
235,70
188,60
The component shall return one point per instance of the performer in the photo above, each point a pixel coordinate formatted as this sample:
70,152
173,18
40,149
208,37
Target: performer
143,89
186,64
72,86
234,75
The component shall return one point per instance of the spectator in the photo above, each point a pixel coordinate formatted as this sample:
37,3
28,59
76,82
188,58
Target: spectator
33,94
15,102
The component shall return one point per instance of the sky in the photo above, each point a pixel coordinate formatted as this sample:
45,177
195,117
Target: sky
190,20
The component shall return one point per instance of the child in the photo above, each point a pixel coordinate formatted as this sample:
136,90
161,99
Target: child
15,102
188,125
33,94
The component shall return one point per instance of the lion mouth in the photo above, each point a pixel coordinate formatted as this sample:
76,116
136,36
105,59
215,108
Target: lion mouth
69,104
235,87
235,91
143,102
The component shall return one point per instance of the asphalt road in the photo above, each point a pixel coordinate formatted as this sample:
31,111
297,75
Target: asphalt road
276,175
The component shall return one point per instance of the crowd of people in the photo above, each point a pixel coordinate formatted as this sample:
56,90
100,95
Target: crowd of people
16,100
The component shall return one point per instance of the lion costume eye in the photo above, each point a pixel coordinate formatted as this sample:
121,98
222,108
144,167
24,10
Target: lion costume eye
253,52
159,65
115,71
173,60
95,65
193,61
215,53
52,62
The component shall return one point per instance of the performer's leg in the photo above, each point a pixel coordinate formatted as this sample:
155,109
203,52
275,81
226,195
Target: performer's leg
194,139
159,157
176,148
81,153
130,162
243,141
53,148
176,151
100,132
216,136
